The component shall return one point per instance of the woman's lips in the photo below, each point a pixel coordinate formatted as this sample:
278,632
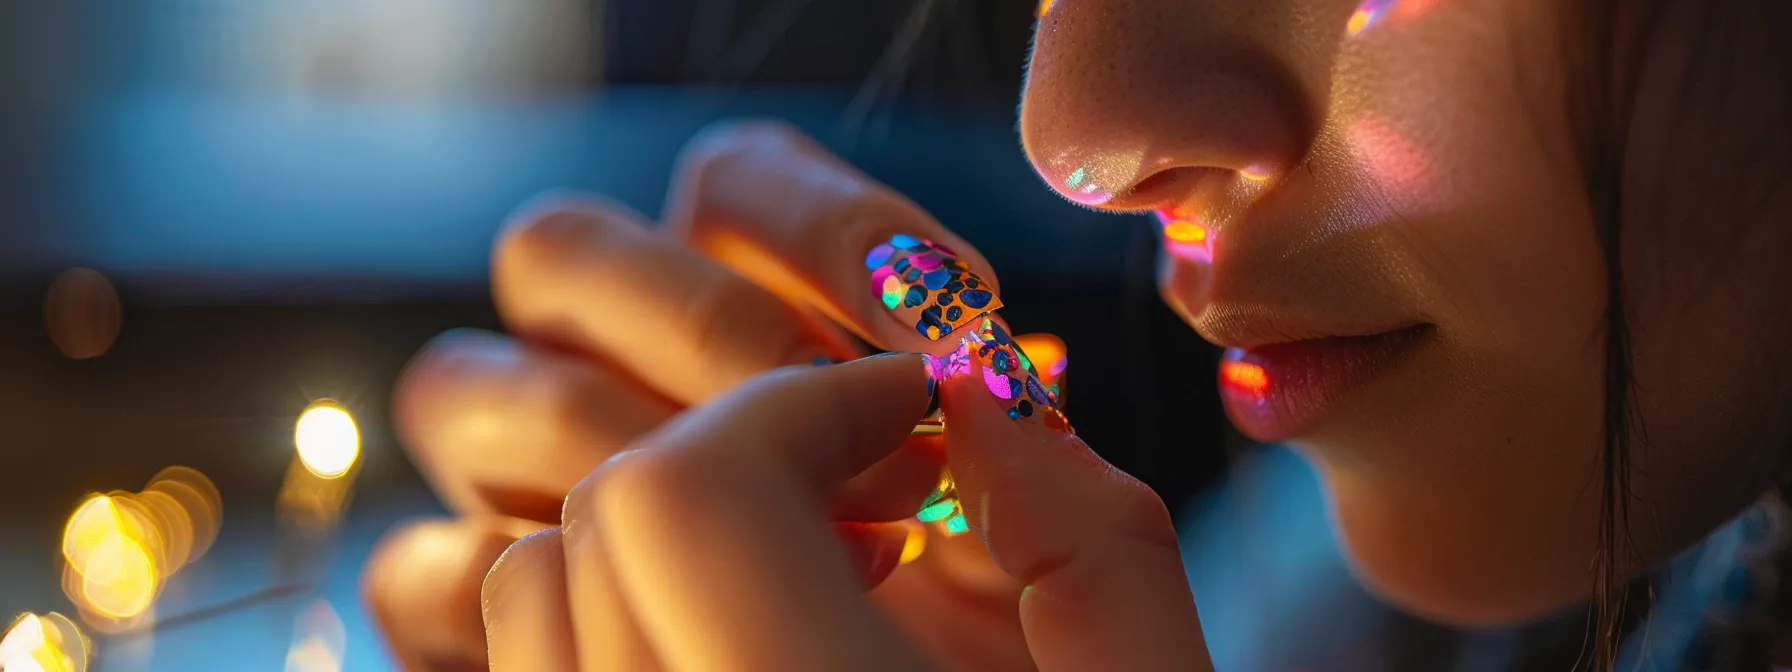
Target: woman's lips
1278,391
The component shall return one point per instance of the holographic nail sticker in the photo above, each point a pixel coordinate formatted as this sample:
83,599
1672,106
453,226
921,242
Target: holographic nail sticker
942,506
1011,377
926,286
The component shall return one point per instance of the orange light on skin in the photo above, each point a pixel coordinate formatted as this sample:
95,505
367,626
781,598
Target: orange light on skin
1045,7
1244,377
1358,21
915,544
1185,232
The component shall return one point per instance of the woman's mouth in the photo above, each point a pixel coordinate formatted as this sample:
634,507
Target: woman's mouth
1278,391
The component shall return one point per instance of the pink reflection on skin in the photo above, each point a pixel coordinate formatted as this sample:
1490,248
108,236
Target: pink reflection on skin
1407,10
1080,186
1393,158
1374,12
1185,238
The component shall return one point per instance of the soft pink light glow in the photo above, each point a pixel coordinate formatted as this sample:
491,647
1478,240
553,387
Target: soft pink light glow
1393,158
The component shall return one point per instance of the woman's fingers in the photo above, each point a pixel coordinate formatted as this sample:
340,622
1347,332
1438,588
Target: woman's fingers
591,276
603,620
715,526
773,205
422,585
502,428
528,623
1095,548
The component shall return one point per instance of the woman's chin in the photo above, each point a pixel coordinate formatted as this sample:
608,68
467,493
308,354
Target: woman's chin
1466,567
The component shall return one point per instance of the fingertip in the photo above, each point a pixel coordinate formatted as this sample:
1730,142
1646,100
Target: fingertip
423,584
874,549
525,553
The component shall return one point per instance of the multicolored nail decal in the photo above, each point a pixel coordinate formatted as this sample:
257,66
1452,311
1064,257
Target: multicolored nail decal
1010,376
926,286
942,506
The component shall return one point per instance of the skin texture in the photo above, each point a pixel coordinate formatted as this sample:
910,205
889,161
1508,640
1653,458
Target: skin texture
1425,170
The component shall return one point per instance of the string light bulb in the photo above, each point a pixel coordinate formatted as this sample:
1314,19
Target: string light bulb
327,439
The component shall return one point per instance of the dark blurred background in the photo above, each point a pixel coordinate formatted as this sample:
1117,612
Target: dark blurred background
289,197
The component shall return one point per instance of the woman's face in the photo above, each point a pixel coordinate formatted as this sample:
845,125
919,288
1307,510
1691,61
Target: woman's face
1380,211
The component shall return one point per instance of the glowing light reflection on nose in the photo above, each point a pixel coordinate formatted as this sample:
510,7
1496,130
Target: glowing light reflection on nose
1045,7
1394,159
1372,13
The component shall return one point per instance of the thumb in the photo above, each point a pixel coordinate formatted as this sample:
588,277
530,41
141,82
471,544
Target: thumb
1095,547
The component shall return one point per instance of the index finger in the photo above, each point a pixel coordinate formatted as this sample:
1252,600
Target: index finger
775,206
715,528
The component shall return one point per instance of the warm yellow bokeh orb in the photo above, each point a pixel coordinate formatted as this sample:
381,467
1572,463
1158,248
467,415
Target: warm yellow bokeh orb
119,579
95,519
25,648
327,439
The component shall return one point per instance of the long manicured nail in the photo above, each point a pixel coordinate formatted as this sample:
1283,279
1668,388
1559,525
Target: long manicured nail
926,287
1011,377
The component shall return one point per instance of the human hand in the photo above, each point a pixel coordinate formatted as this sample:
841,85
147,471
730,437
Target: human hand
711,544
619,326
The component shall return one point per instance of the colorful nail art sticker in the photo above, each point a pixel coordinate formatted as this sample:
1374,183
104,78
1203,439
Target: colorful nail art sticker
942,506
926,286
1010,375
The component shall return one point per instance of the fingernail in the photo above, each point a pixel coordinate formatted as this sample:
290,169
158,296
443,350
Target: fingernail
926,287
943,367
942,506
1011,377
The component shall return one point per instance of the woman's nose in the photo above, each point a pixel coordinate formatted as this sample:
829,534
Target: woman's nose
1129,103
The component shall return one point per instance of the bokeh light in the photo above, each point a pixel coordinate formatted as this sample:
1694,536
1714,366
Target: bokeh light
318,640
198,498
118,579
82,313
120,548
327,439
48,643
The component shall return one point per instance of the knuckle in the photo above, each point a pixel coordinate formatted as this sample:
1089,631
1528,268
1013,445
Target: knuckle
389,559
728,142
636,479
852,203
555,235
1139,513
729,315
